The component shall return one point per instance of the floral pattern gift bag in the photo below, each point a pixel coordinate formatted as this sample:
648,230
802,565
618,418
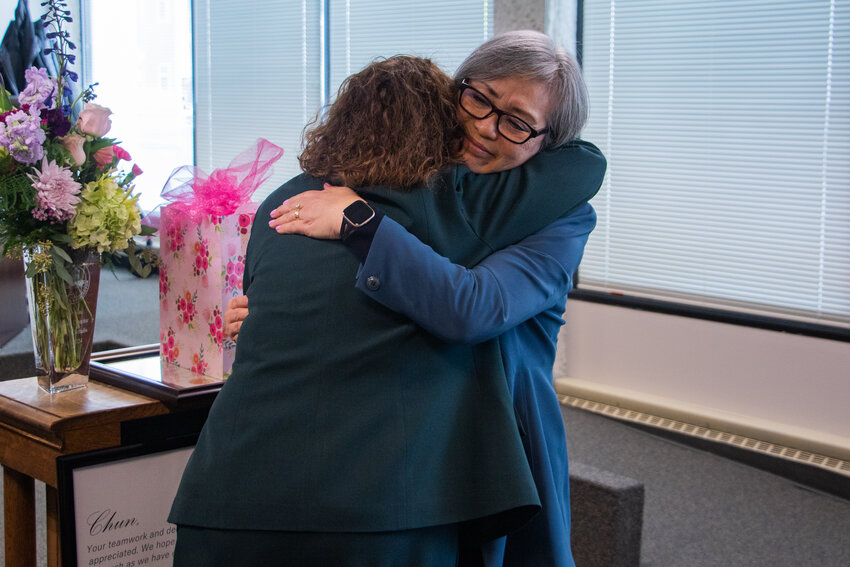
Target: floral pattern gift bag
205,230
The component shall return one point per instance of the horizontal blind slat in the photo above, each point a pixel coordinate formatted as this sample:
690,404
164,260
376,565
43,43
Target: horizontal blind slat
727,131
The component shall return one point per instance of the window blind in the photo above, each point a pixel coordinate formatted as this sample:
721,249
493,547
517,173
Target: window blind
726,125
256,75
260,67
445,31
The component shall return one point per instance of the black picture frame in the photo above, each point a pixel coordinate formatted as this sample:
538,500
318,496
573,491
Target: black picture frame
129,467
140,370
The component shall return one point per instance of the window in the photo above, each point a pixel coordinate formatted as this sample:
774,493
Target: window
265,68
445,31
144,74
197,82
256,75
727,131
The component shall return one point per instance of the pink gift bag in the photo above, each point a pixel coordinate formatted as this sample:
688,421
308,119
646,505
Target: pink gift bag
204,232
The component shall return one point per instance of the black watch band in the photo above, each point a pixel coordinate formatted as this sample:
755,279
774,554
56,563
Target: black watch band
355,216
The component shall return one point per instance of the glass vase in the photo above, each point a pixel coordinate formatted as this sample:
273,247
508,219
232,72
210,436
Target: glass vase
62,316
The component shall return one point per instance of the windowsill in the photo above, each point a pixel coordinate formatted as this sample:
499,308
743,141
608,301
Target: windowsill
718,315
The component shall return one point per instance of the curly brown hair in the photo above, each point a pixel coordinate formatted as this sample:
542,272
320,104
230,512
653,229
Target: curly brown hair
394,123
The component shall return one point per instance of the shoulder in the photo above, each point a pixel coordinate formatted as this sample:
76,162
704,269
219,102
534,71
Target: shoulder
576,153
298,184
578,222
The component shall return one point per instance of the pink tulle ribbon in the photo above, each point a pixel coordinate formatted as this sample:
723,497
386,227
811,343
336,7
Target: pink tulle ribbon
195,194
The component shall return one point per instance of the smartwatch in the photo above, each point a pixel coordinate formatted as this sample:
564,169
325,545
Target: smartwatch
354,216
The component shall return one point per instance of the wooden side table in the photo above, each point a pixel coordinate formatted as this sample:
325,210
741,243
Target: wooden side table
35,429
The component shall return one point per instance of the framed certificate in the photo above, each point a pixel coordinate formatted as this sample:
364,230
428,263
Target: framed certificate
114,504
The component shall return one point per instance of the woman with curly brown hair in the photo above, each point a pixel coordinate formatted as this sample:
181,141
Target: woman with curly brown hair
383,131
346,434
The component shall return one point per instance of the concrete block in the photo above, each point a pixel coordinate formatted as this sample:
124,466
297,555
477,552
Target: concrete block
607,517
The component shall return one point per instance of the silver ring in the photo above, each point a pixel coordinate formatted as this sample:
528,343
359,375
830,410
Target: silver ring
297,212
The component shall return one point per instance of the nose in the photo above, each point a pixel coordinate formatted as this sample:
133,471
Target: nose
488,127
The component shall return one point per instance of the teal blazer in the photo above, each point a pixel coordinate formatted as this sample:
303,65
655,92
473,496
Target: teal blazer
342,415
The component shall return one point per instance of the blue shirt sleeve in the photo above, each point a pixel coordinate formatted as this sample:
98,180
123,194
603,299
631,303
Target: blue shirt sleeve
470,305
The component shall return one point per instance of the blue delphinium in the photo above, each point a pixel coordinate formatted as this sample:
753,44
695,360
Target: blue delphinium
56,16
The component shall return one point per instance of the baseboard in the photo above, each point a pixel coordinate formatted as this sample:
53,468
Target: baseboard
811,458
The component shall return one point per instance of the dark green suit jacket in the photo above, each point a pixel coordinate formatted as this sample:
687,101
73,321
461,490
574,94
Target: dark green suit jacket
341,415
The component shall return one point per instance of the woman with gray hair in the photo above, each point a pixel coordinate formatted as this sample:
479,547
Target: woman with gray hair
517,94
533,56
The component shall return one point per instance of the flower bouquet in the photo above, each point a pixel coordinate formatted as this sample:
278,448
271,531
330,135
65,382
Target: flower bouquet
65,206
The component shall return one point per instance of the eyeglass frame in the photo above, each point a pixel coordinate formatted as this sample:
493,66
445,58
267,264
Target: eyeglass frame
498,112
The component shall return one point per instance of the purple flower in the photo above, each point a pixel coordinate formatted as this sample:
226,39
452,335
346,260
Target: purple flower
40,91
56,121
56,192
21,134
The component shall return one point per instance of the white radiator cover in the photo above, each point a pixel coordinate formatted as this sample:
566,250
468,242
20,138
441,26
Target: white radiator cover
776,387
799,445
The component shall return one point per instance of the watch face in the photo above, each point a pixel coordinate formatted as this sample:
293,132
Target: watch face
358,213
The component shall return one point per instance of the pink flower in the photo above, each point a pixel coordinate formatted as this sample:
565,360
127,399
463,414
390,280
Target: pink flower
74,144
56,192
137,170
94,120
121,152
105,156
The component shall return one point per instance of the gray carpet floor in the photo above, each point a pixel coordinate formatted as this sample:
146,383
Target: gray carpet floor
704,510
701,509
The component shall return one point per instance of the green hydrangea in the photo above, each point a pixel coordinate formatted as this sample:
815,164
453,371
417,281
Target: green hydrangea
107,216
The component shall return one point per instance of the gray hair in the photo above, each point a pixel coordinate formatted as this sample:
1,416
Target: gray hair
532,55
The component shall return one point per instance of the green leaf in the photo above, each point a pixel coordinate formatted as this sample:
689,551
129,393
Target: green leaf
135,264
57,251
5,103
99,144
127,179
61,237
148,230
58,298
62,272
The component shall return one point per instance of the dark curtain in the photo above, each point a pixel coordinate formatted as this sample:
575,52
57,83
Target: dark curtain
22,47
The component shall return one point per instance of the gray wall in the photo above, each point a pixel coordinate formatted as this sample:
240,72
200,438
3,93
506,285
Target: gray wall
519,14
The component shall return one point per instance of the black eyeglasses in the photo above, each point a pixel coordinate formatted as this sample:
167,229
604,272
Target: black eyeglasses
513,129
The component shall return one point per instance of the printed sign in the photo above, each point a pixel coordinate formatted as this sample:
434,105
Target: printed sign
114,506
